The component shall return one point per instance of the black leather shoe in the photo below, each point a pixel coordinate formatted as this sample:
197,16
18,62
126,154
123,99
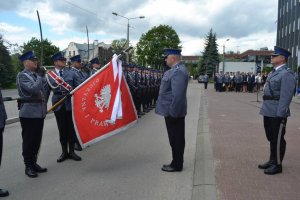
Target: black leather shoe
63,157
3,193
38,168
29,171
77,147
266,165
74,156
273,169
169,168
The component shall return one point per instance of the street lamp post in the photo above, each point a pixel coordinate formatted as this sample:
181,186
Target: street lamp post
224,55
128,19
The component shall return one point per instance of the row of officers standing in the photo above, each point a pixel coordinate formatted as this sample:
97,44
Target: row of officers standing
34,90
144,86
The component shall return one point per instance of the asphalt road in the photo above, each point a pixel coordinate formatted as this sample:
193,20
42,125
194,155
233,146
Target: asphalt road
123,167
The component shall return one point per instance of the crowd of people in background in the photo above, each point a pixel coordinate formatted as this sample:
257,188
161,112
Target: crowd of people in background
239,81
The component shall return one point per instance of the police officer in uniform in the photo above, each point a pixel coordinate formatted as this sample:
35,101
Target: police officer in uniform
63,113
95,65
77,67
34,93
83,75
277,96
3,117
172,104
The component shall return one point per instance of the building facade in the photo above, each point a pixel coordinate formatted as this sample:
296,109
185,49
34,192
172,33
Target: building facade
88,52
288,28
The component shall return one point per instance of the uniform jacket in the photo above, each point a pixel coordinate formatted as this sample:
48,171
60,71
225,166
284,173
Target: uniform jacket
172,100
3,115
31,86
72,78
282,83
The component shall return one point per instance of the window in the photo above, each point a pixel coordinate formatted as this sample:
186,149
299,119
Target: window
73,53
299,22
290,28
294,25
69,53
287,6
280,13
282,32
292,52
285,30
284,9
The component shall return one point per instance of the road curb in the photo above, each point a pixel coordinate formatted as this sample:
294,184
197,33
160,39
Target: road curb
204,184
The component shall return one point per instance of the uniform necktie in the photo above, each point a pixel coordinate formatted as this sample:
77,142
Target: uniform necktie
60,73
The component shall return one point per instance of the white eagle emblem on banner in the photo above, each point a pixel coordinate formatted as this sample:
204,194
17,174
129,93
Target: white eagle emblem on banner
103,100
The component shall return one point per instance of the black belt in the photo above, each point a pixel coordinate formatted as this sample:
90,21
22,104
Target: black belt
30,100
61,93
270,98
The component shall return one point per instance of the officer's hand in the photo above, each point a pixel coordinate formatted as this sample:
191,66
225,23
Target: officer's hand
41,71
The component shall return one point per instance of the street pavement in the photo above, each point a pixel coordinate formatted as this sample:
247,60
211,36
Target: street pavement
240,144
225,141
126,166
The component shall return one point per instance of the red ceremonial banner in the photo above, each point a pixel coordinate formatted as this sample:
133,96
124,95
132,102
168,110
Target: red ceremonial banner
93,103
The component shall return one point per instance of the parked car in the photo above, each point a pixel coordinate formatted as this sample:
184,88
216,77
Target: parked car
201,79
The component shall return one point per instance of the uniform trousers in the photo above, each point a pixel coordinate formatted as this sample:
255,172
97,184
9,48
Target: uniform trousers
176,133
1,143
65,126
275,137
32,131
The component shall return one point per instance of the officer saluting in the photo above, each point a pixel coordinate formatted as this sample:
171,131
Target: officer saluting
33,92
68,80
278,94
172,104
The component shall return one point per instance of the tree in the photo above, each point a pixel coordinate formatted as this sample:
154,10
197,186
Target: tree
210,59
150,47
118,46
48,49
7,76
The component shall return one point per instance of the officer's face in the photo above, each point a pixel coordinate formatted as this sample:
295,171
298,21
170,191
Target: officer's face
30,64
170,60
60,63
96,66
277,60
77,64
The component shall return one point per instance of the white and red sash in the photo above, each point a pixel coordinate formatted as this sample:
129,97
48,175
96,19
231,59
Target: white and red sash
58,80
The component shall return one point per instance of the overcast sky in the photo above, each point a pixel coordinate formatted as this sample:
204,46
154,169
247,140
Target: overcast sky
248,24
